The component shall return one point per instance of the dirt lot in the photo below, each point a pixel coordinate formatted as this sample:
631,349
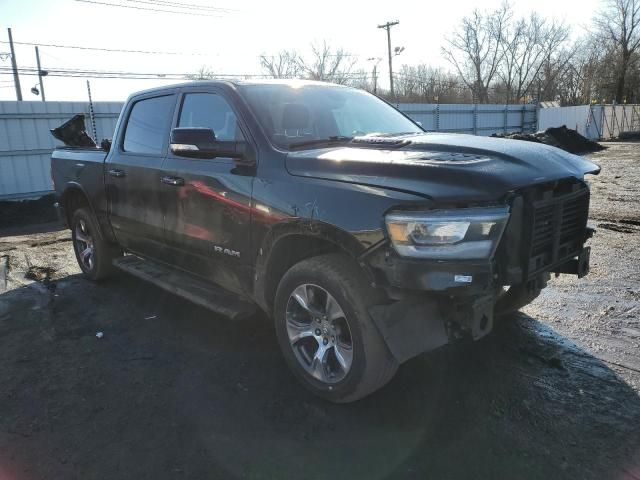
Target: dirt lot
171,391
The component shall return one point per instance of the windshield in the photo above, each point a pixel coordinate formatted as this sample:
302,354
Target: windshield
291,114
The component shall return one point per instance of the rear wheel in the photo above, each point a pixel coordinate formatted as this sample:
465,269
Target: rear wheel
94,255
325,332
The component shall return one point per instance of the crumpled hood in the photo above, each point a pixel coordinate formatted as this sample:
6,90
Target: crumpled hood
445,167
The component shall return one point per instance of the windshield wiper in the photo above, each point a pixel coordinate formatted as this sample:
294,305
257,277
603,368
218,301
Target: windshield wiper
321,141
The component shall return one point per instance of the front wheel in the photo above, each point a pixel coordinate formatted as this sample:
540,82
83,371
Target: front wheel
325,332
510,300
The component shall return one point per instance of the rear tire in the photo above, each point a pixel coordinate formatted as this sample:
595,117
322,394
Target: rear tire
94,255
334,331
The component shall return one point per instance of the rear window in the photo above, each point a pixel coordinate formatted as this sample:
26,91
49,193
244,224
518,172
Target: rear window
148,125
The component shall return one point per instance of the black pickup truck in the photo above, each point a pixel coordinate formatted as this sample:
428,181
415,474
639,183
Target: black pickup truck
367,240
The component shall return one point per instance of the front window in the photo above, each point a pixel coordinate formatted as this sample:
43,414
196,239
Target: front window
210,110
293,114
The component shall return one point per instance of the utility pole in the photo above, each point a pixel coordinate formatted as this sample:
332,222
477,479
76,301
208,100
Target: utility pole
14,66
387,26
375,79
40,73
376,61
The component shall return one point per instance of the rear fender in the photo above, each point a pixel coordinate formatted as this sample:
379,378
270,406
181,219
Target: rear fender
75,188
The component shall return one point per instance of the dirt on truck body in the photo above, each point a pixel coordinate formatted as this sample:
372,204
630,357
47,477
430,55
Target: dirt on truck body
167,391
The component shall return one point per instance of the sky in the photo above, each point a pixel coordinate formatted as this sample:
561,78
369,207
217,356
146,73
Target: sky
229,41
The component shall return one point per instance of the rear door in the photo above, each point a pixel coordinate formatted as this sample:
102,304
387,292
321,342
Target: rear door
208,217
133,174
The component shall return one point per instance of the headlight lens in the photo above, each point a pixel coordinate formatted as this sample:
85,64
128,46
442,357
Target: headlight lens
465,233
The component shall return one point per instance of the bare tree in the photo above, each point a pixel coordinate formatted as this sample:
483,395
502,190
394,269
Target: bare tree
204,73
359,78
619,23
527,44
328,64
324,63
579,82
423,83
285,64
514,41
475,49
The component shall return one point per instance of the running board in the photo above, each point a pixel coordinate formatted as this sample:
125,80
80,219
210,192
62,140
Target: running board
187,286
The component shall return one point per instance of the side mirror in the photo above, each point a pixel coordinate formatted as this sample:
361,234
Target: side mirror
196,142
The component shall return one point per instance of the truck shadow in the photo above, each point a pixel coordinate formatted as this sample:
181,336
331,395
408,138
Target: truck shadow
170,391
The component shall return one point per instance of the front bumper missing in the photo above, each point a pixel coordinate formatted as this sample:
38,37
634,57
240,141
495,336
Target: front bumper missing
417,325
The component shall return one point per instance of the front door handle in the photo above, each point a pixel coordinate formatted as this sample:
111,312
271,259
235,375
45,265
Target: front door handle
116,172
175,181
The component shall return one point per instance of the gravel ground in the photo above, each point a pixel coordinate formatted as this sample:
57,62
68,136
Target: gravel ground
171,391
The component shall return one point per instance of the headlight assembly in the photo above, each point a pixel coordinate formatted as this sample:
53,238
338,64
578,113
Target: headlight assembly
464,233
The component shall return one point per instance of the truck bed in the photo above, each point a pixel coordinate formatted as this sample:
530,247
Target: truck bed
82,166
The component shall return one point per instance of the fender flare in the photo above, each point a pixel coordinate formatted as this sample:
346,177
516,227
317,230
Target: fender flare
73,186
310,229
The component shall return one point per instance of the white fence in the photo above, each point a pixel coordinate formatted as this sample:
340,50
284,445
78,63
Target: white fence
26,143
597,122
474,119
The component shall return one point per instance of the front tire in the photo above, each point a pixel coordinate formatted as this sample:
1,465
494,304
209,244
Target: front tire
94,255
325,332
514,298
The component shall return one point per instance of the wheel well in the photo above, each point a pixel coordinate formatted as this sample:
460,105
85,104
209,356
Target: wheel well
73,199
289,251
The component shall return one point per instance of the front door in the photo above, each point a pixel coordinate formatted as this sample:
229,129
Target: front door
133,175
208,219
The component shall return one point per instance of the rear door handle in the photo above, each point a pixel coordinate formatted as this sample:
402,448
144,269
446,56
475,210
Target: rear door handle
175,181
116,172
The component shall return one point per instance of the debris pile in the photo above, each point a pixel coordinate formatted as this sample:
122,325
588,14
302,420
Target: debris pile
560,137
73,133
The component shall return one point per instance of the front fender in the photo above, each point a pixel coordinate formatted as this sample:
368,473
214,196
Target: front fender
302,232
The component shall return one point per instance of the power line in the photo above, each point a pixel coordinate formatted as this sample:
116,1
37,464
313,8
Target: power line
118,50
96,73
55,72
190,6
147,52
105,74
157,10
51,70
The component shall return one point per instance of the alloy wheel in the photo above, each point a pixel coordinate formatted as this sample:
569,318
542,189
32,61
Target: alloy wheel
319,333
84,245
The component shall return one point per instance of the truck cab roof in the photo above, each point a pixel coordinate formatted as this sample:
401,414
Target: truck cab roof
292,82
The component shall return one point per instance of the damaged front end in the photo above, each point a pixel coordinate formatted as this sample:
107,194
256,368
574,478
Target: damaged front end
500,258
